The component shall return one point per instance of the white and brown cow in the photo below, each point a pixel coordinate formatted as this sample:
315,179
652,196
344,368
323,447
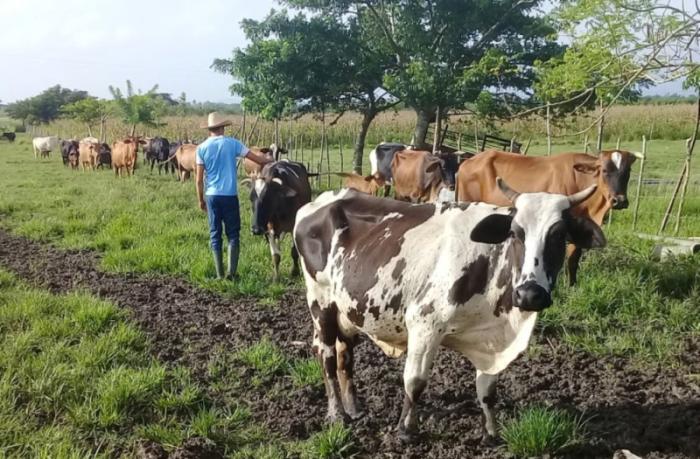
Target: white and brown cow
468,276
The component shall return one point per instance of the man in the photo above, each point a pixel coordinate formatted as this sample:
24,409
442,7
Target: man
217,157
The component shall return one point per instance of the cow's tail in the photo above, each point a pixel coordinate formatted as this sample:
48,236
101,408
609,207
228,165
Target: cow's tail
170,158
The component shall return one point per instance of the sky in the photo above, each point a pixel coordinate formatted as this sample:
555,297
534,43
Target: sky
91,44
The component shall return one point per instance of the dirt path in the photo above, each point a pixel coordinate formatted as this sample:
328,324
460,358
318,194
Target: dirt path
652,411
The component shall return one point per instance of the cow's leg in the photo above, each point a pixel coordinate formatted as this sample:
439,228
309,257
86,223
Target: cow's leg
295,260
274,241
325,319
572,262
422,347
486,393
346,358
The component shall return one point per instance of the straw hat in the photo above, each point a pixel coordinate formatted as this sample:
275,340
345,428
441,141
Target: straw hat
216,120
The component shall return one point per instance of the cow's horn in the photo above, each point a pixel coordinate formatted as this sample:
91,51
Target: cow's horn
277,180
577,198
509,193
637,154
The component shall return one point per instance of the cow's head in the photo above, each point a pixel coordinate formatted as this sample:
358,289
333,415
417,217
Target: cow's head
612,171
449,164
268,195
135,141
540,228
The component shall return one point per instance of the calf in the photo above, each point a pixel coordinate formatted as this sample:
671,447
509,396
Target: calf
420,175
370,184
125,155
68,147
276,195
470,277
44,146
564,173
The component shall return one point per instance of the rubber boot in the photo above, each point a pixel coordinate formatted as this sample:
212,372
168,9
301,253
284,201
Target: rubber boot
218,263
233,252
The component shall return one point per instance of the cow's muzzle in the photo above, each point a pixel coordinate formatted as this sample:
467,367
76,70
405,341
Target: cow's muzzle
619,202
531,297
257,230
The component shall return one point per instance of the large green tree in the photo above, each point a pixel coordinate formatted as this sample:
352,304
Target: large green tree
309,64
88,111
45,107
445,54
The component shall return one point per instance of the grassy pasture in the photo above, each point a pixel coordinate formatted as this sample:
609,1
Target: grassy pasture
625,303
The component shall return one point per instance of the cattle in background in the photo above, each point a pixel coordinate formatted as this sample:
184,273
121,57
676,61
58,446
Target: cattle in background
412,277
44,145
564,173
88,150
369,184
104,157
10,136
380,160
157,151
420,175
186,159
125,155
67,147
276,194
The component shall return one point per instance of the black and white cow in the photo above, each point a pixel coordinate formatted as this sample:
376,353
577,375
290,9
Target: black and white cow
468,276
276,195
381,157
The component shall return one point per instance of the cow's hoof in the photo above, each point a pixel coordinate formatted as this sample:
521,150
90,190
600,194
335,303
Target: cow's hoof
407,436
338,418
491,440
356,415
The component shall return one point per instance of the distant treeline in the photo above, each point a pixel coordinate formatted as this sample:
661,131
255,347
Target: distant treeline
667,99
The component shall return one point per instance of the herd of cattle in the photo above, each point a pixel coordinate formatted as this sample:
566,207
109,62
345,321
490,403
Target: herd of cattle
459,259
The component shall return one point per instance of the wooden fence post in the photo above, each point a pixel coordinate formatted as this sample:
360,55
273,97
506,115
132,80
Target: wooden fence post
689,150
436,133
639,183
549,131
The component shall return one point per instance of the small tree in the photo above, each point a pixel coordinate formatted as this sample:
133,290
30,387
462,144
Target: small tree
45,107
88,111
138,109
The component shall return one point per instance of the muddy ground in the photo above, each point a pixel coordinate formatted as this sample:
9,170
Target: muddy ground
654,412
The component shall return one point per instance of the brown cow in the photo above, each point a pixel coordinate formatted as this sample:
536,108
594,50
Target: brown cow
417,175
186,156
369,184
88,150
253,169
125,155
566,173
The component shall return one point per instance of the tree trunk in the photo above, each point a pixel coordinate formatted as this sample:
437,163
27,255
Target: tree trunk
367,118
89,129
423,118
133,129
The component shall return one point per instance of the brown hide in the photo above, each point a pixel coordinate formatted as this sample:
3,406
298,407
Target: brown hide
186,155
369,184
87,155
417,176
253,169
124,155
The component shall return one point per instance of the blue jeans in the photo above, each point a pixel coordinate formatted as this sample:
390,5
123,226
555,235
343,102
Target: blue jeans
223,209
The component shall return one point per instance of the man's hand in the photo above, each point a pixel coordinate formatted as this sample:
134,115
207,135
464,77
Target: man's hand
203,205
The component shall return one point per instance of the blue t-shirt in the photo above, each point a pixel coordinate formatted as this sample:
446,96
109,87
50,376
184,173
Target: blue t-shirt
218,156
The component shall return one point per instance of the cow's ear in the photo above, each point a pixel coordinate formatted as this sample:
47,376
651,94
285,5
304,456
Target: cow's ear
288,192
369,178
127,141
584,232
586,168
142,142
432,167
493,229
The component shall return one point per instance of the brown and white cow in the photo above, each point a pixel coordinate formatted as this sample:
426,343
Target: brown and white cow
369,184
566,173
253,169
276,195
186,156
418,176
470,277
125,155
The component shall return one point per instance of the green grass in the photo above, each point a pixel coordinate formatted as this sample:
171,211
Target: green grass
333,442
76,380
306,372
536,431
264,357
